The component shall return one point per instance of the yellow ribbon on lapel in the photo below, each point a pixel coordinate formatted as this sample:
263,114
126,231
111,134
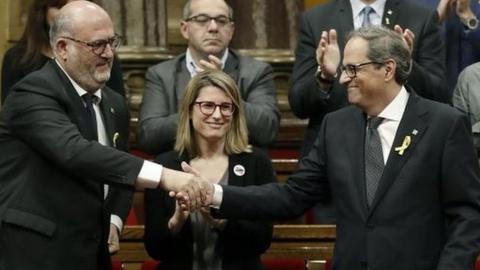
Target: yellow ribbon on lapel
405,144
115,138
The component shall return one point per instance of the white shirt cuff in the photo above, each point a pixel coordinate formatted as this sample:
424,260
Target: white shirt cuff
217,196
117,221
150,175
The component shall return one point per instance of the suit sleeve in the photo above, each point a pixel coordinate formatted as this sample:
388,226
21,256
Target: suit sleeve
277,201
460,186
428,72
41,121
261,108
252,236
306,97
157,125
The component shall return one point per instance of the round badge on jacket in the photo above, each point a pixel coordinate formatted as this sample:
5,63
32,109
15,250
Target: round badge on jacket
239,170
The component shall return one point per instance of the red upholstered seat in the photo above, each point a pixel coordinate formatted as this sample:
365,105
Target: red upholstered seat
150,265
117,265
284,264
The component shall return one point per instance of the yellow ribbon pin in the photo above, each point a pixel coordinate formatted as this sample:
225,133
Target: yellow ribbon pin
405,144
115,138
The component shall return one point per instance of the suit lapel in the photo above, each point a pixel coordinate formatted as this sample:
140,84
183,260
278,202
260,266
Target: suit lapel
181,80
390,13
344,21
108,113
411,125
76,109
231,67
355,145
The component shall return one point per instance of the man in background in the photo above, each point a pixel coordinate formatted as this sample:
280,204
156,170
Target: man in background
208,27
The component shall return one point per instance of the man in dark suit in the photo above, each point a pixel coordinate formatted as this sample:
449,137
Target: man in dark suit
208,27
61,131
407,191
315,91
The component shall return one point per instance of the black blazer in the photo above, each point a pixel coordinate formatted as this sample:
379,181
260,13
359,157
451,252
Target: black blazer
242,241
52,211
428,72
426,212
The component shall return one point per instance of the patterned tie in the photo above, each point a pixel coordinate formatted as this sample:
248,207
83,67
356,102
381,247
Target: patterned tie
367,10
91,117
373,157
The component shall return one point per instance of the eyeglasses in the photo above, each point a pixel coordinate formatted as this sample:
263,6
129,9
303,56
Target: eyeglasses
208,108
204,20
351,70
99,46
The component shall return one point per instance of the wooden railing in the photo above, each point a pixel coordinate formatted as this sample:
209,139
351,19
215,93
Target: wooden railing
312,243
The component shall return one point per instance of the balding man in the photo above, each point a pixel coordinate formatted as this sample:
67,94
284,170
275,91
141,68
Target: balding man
62,134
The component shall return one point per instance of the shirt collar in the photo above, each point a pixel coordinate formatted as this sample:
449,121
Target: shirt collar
394,110
192,67
357,7
78,88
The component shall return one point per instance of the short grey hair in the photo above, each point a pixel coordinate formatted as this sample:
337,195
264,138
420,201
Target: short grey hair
384,44
61,26
187,10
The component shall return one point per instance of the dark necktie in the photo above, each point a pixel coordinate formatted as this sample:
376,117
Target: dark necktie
366,16
91,117
373,157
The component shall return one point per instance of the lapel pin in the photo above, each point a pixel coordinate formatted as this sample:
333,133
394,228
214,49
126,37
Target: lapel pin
239,170
414,132
115,139
112,110
387,21
389,12
405,144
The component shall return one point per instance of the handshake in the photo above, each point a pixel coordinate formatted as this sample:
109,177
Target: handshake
191,191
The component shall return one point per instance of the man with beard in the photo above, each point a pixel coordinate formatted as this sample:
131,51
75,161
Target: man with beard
208,26
62,133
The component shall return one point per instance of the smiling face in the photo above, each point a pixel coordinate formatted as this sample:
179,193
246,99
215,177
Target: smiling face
88,23
210,37
367,88
211,128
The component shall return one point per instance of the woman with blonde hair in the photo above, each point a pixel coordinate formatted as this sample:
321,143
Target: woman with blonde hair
212,137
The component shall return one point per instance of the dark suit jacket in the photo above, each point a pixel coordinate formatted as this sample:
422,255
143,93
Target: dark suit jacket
164,88
426,212
428,72
52,211
241,242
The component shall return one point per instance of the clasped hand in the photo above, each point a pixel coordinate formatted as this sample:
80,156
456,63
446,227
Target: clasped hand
195,194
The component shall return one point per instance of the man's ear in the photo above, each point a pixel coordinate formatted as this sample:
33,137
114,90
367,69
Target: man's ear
390,69
61,49
184,29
